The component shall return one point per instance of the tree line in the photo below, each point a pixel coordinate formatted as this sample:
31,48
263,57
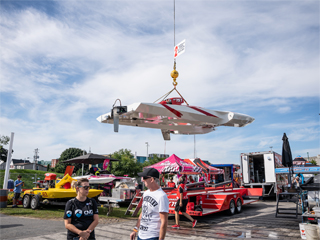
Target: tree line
127,164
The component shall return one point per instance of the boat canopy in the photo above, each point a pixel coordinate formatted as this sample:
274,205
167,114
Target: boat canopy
205,167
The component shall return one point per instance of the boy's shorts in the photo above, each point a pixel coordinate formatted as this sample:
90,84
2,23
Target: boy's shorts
184,205
16,196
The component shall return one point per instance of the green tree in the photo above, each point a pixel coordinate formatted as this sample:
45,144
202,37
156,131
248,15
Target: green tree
126,165
155,159
313,161
4,140
66,155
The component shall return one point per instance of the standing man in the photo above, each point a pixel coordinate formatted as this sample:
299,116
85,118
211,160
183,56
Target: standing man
181,204
171,183
153,220
17,190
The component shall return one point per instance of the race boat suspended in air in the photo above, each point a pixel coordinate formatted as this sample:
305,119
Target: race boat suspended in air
172,117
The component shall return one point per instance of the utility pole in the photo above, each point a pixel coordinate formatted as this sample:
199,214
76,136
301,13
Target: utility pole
147,150
35,157
7,172
194,146
83,151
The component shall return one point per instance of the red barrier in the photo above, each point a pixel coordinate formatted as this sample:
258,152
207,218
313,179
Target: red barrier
254,191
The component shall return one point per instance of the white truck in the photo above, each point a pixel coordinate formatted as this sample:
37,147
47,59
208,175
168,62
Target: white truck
258,170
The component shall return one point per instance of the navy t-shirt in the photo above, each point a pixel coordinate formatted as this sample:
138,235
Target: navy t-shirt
81,214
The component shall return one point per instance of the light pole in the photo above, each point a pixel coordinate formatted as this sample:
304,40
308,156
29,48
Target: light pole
35,159
147,149
82,163
271,148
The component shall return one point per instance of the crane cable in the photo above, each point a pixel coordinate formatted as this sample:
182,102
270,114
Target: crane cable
174,73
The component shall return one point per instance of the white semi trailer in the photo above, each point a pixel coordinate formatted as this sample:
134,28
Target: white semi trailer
258,170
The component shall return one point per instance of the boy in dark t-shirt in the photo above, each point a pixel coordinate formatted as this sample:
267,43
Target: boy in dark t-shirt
182,202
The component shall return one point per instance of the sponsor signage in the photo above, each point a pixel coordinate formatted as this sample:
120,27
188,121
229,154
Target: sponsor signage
180,48
299,170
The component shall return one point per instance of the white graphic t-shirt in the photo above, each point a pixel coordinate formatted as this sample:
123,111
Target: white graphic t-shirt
153,203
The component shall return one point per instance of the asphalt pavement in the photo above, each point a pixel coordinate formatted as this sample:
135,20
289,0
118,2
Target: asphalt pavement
257,220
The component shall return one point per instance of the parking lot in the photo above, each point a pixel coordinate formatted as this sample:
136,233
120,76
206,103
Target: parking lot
257,220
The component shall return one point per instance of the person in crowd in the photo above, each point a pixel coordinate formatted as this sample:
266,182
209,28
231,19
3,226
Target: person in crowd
296,182
17,191
191,179
212,179
181,204
301,177
201,179
171,183
81,213
153,220
236,180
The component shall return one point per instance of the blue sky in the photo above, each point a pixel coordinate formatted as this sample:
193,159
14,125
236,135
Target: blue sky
64,63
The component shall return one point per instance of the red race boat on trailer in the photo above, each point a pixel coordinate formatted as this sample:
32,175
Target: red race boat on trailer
205,201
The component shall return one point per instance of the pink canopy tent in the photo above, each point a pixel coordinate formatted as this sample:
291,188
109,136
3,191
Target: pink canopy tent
174,164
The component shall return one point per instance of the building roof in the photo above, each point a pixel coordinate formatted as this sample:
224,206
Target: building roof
299,159
15,161
22,164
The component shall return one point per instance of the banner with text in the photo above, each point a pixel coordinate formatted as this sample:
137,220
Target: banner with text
180,48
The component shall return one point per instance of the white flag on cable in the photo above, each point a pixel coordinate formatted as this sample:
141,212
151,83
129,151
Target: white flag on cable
180,48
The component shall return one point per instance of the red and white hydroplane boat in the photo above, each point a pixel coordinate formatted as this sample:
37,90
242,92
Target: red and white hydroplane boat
172,117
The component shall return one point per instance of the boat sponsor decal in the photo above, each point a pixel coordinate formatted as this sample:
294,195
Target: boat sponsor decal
202,111
78,212
69,213
175,112
88,213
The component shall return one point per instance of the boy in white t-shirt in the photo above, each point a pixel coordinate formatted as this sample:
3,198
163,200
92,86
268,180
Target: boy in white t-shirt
153,220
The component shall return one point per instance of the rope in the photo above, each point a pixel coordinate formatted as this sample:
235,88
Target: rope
174,74
164,96
174,31
167,94
174,22
181,96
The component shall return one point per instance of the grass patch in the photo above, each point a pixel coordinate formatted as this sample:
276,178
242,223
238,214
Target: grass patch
57,212
28,176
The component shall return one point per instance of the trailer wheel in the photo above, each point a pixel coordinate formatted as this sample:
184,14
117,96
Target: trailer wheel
35,202
26,201
239,206
232,207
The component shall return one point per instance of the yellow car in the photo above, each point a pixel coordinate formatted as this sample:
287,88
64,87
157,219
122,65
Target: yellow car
55,192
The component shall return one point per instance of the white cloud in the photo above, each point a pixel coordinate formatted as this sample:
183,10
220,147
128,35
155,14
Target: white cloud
60,71
284,109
